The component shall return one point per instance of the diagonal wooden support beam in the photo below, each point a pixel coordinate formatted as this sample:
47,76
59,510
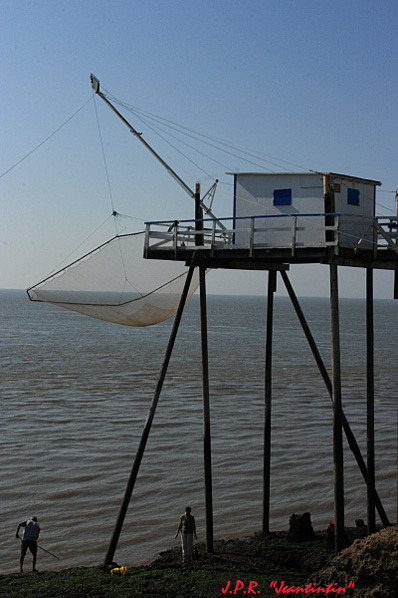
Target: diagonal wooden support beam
346,427
386,237
147,427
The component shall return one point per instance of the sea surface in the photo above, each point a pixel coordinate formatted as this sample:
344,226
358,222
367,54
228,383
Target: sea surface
75,393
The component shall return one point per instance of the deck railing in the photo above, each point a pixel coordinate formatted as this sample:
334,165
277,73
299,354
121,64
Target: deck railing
386,233
283,231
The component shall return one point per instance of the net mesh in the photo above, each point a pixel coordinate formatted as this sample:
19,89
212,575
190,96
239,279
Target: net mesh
116,284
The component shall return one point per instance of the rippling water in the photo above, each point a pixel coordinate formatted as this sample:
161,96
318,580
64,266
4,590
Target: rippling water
76,391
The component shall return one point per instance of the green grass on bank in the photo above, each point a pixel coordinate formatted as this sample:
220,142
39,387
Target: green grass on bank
259,560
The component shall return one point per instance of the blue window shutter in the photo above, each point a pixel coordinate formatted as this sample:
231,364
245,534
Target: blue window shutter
353,197
282,197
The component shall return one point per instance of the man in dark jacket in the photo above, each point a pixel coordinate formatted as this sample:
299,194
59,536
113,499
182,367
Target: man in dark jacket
29,540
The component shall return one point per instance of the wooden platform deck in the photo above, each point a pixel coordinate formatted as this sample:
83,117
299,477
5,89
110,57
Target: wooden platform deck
211,243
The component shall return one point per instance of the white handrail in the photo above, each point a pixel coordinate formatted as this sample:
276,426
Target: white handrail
381,233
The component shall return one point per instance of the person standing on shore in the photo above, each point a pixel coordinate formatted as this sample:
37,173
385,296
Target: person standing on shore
187,526
29,540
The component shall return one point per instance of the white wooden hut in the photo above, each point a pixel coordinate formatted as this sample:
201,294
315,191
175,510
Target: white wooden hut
304,209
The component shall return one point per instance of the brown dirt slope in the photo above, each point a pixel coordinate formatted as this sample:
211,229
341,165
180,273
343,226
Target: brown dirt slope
371,563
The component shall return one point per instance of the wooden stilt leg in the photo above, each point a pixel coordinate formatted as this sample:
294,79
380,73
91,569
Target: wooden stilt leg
337,414
370,402
206,414
268,396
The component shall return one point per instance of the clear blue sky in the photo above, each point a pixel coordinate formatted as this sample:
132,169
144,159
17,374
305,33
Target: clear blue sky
313,82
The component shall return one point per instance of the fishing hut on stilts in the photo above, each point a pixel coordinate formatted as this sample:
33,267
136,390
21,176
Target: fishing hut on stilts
278,221
297,219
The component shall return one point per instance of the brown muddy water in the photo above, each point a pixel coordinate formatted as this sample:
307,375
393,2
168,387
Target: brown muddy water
74,399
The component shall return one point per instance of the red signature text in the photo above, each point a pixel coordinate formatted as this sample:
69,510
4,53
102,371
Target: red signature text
235,587
280,587
309,588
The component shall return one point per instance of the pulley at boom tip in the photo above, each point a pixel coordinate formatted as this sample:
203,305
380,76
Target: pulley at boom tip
95,84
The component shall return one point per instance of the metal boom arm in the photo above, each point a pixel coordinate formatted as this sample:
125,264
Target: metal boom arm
95,84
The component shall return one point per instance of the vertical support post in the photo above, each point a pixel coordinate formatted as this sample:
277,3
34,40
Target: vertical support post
199,239
213,234
338,462
268,397
370,402
328,196
147,237
396,297
175,238
294,234
251,241
206,414
147,427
